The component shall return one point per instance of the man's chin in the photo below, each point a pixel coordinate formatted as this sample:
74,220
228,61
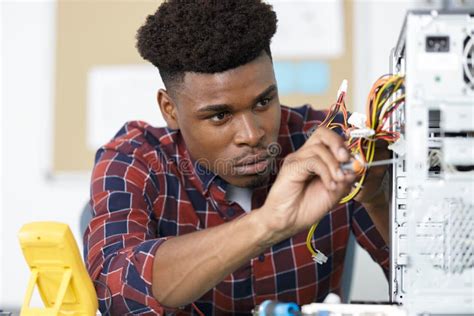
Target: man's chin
250,181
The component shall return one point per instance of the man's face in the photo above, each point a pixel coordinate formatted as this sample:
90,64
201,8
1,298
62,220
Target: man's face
229,119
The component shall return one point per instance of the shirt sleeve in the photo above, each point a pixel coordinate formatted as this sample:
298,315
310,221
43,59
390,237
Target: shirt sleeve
121,239
369,237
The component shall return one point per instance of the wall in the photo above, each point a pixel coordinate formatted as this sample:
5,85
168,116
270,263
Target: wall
89,34
30,193
102,33
1,150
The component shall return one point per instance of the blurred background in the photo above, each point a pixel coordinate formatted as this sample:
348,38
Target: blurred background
71,76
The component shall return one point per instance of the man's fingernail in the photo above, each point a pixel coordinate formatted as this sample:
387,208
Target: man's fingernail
340,174
343,153
333,185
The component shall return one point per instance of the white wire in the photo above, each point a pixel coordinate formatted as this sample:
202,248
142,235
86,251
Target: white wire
435,158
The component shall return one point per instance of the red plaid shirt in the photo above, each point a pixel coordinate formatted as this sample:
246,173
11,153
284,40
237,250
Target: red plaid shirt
145,188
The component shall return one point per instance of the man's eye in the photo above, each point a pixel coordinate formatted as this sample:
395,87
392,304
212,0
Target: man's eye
219,117
263,102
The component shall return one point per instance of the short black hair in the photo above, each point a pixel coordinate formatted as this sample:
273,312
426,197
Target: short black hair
205,36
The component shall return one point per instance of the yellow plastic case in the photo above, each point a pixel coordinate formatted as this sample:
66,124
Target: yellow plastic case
57,269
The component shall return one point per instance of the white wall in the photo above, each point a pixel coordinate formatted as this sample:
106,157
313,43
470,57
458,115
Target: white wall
26,129
1,150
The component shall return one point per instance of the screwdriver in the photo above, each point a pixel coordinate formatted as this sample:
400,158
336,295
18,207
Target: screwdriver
357,166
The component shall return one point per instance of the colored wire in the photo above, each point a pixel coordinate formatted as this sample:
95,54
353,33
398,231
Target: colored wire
309,245
378,111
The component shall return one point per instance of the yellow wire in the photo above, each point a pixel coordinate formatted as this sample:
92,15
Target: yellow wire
377,98
382,103
354,192
309,237
344,200
398,80
393,102
397,86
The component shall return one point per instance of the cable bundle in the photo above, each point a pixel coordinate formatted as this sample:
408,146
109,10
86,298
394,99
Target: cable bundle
386,95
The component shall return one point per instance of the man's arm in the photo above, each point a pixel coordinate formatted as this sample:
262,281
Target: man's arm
185,267
378,212
373,195
370,222
121,240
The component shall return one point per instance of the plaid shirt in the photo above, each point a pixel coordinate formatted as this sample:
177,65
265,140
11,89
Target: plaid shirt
145,188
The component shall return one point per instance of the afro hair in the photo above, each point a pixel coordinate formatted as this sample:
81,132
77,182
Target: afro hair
205,36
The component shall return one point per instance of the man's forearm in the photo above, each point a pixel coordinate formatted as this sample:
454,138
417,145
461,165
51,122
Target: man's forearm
185,267
379,213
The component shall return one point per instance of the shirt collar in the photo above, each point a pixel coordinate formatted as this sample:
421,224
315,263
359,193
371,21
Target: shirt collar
205,176
196,170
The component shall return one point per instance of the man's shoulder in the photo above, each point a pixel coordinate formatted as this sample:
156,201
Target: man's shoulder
305,119
139,136
301,115
301,119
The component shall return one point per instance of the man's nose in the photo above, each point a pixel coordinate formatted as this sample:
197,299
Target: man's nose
249,131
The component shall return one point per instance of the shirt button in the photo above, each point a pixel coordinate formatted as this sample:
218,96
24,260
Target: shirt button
230,212
261,258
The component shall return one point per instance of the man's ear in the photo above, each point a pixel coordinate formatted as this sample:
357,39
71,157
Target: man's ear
168,109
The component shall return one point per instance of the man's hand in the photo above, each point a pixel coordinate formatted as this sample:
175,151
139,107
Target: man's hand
372,195
373,190
309,184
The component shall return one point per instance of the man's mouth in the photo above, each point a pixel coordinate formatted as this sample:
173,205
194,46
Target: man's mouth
252,164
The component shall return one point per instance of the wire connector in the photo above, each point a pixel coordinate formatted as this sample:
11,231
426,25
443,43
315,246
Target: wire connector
362,133
398,147
357,120
320,257
342,88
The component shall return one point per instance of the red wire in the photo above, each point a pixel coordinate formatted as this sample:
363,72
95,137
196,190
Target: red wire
389,112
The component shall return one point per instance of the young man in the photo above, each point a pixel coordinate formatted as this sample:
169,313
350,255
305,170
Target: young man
214,209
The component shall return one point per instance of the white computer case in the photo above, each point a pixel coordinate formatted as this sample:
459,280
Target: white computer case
432,206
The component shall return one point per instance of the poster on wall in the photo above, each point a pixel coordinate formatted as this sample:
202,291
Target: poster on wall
117,94
308,29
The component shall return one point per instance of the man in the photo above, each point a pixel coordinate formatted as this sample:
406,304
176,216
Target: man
205,215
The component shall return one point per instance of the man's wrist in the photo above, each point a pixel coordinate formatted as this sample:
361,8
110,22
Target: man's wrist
376,198
380,195
267,226
378,210
376,203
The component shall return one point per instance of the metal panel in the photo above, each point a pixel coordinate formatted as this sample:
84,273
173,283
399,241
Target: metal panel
432,213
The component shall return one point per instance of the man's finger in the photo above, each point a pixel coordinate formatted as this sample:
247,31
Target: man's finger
332,140
302,169
327,156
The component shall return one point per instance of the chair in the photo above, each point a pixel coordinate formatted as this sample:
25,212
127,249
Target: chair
85,217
